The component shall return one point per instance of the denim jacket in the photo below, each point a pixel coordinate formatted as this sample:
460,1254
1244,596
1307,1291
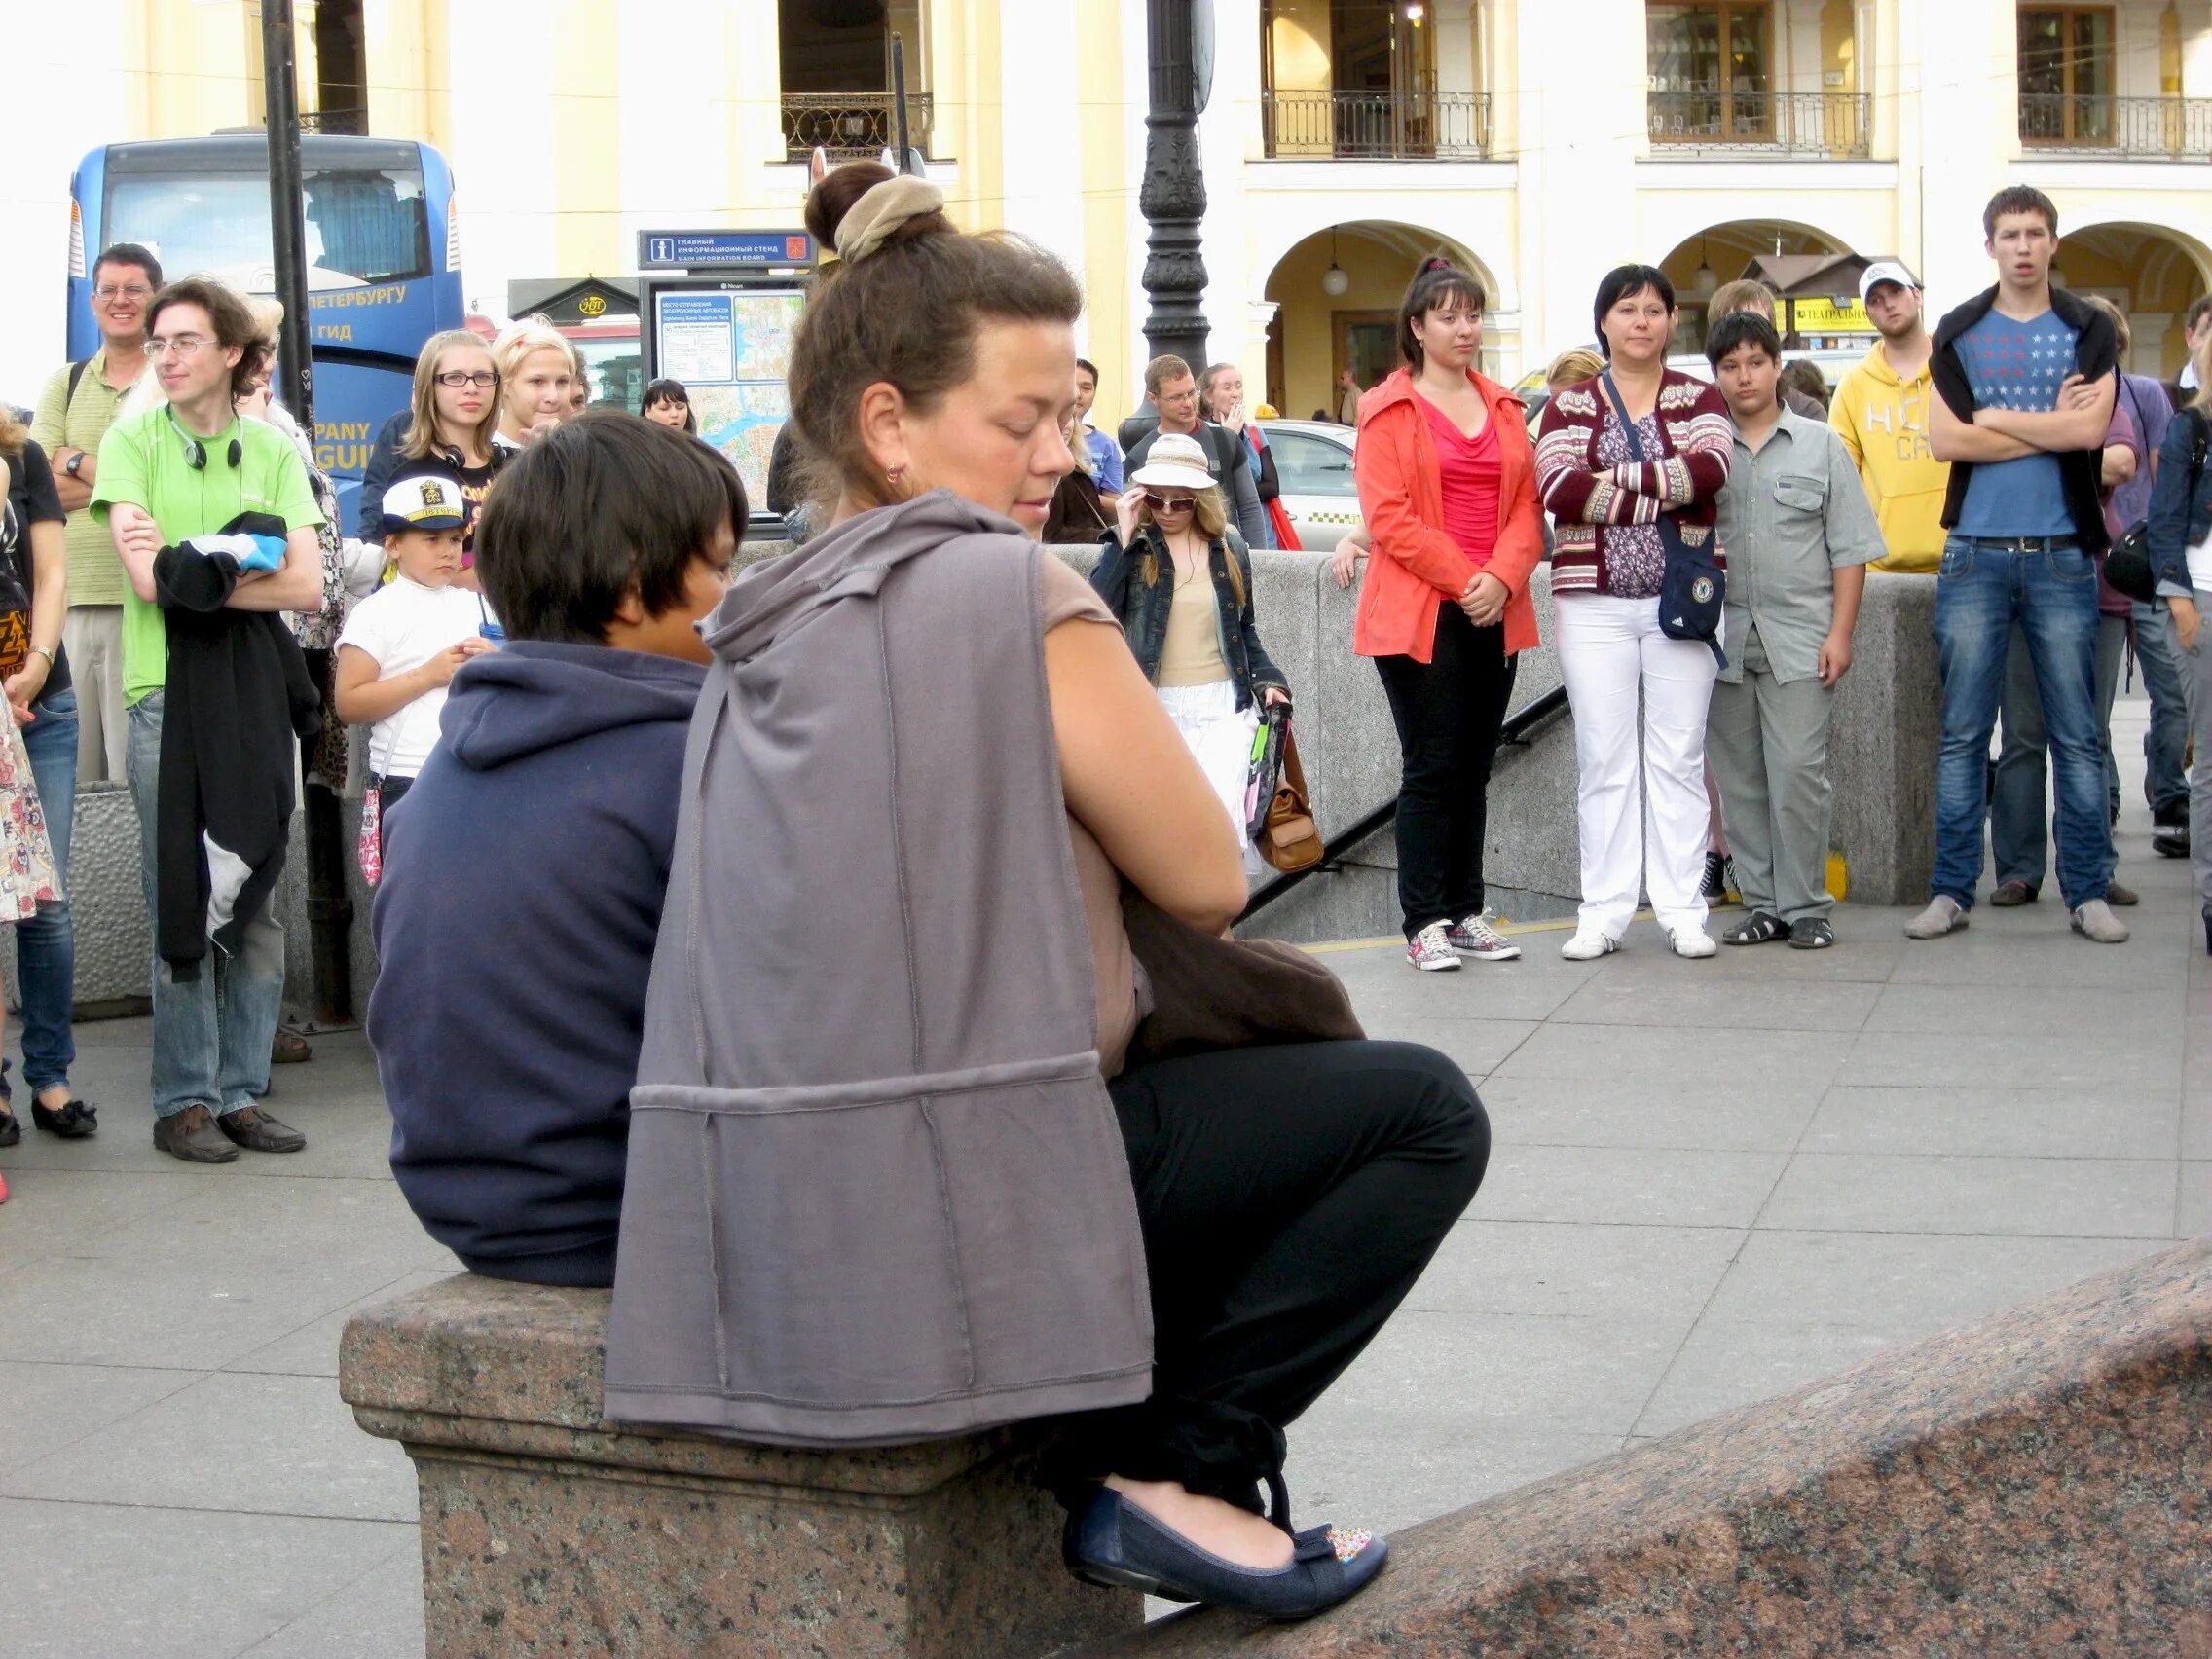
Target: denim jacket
2180,518
1119,578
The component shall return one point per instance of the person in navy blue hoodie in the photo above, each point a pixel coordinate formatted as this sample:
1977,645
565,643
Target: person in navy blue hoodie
525,871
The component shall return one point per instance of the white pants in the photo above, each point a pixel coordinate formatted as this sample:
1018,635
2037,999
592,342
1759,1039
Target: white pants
1610,651
1222,740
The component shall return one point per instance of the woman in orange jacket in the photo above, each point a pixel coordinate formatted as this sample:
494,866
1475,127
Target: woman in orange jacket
1448,487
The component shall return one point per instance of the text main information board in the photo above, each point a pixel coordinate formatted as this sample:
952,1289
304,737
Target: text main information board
731,344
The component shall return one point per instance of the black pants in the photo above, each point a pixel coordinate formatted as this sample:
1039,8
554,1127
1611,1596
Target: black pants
1448,711
390,793
1290,1197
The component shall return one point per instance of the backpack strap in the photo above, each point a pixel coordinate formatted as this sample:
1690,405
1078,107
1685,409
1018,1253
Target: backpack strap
76,374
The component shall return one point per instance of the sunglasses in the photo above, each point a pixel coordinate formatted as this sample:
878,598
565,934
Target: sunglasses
1172,503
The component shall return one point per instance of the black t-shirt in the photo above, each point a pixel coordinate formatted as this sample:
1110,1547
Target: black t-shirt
32,499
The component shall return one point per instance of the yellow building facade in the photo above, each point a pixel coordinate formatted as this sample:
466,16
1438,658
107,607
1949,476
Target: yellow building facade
1540,141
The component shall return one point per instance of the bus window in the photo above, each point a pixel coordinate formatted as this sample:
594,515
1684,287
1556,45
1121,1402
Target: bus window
368,226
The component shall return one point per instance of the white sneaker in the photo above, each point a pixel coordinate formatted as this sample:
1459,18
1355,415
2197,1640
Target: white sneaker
1943,915
1692,942
1430,949
2095,920
1588,945
1475,937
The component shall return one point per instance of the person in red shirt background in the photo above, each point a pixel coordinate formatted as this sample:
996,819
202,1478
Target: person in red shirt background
1447,488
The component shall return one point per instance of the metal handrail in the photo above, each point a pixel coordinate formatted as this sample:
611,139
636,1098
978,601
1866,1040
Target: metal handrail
852,126
1832,125
2168,127
1516,729
1384,125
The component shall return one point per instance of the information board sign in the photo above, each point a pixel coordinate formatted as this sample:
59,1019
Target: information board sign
694,250
730,343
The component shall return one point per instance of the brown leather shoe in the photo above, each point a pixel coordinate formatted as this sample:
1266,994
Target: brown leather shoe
2115,894
257,1131
2010,894
288,1049
190,1134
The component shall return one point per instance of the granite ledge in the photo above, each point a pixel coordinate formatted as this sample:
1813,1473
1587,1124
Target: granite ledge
2039,1483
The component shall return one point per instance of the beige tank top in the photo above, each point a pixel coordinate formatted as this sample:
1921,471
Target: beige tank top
1065,597
1191,653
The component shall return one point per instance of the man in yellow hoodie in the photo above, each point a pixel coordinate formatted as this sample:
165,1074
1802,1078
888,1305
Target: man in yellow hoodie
1881,412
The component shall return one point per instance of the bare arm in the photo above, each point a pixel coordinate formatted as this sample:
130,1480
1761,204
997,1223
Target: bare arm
2119,467
296,586
137,538
362,698
1131,781
50,606
1950,439
2079,423
76,492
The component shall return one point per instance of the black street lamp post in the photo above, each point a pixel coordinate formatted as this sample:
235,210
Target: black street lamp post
1173,196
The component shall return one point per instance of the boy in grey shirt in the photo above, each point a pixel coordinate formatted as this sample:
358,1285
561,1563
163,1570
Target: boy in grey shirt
1798,532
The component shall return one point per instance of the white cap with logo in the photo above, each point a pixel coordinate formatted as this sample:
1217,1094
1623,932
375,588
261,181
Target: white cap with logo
1885,271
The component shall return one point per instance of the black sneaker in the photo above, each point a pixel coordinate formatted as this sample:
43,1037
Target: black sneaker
2171,840
1719,876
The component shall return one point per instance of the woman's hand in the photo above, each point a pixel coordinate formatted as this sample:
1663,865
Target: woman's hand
1483,599
1344,563
1275,696
1133,500
1233,418
2187,621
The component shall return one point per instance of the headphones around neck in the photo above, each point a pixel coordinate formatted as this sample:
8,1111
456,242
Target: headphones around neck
195,450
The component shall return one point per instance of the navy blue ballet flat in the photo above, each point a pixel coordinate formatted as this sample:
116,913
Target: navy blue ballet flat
1115,1543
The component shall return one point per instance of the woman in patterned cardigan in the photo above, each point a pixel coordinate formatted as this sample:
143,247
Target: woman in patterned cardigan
1607,564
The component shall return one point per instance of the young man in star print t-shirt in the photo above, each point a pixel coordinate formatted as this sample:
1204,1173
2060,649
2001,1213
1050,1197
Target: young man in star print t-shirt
2025,380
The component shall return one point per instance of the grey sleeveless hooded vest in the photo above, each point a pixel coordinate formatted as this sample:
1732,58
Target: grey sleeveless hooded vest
877,1191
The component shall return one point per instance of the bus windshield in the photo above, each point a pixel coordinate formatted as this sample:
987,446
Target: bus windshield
363,227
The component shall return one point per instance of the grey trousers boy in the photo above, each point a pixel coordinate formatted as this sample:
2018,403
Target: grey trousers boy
1769,747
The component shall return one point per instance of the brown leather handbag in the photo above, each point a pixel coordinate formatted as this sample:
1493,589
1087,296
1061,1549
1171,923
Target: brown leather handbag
1290,840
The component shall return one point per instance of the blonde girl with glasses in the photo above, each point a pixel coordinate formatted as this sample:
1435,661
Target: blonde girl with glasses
1180,580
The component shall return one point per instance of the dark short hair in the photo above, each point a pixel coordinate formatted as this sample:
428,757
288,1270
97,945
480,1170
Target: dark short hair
1618,284
130,253
600,505
2018,198
1437,283
1741,328
1087,367
2199,309
226,311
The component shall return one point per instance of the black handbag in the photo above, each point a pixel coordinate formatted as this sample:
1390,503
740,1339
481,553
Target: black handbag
2128,566
1694,587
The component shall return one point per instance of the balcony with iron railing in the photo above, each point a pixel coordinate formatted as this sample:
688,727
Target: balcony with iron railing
852,126
1382,125
1832,126
2157,129
348,121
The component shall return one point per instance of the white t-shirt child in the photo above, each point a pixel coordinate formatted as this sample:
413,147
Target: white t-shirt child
402,645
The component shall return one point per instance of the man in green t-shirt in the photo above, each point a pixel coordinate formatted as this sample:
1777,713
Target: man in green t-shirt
184,471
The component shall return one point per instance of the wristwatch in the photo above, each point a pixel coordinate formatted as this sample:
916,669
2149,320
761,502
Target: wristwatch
73,462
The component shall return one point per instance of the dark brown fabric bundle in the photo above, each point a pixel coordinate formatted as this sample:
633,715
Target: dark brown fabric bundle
1210,993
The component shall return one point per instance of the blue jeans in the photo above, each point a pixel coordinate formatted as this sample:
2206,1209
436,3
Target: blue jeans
2052,592
2165,782
45,944
212,1034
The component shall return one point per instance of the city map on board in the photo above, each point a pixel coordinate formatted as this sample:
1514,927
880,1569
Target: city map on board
732,351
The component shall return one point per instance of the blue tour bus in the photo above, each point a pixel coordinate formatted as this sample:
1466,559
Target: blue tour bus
383,248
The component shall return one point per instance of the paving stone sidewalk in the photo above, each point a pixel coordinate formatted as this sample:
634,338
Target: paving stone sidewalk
1713,1180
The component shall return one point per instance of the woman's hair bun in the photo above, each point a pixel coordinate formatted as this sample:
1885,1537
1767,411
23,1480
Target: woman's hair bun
840,191
1436,262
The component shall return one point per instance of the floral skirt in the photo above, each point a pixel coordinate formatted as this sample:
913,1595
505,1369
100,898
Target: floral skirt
28,877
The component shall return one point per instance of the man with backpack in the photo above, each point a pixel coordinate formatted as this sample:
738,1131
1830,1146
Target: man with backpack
74,413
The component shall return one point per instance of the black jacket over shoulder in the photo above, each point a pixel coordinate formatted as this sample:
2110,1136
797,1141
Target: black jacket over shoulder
236,701
1143,606
2096,354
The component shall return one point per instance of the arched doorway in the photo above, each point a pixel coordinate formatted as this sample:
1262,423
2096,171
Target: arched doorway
2153,274
1722,253
1336,298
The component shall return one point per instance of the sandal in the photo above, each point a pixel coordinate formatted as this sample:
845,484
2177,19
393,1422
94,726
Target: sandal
72,1120
1113,1542
1814,933
1758,928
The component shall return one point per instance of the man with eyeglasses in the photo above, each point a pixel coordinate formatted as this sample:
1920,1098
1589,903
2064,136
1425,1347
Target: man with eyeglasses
74,413
214,518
